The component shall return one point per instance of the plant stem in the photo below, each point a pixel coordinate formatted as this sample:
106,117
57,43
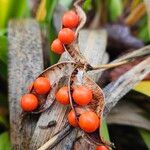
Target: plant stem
144,51
111,65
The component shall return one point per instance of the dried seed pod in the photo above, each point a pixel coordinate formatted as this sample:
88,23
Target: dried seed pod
73,48
54,74
79,77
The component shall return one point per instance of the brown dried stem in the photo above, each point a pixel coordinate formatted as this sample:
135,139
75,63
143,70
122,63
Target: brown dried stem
125,59
70,89
111,65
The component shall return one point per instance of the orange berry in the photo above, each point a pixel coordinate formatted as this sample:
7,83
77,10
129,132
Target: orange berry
42,85
66,36
57,46
82,95
62,95
89,121
29,102
102,147
72,118
70,19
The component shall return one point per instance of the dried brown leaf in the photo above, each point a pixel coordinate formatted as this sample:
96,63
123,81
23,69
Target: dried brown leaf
81,15
128,113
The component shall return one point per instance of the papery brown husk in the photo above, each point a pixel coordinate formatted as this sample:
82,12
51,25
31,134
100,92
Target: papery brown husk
54,74
78,78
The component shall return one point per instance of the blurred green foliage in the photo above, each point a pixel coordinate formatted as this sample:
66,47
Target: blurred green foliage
5,141
146,137
104,130
143,29
87,5
3,56
115,9
50,7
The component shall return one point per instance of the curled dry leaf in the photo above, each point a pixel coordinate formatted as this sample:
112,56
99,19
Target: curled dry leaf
97,105
79,77
54,74
81,15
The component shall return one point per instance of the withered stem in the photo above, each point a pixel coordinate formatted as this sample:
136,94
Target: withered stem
108,66
144,51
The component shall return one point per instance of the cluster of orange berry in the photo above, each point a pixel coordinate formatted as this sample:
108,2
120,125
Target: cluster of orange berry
66,35
82,96
88,120
29,102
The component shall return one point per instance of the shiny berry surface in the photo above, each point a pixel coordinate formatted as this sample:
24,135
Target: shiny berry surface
72,119
42,85
29,102
62,95
82,95
57,46
89,121
70,19
66,36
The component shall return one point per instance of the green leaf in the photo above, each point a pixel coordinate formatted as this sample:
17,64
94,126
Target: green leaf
104,131
4,12
5,141
53,57
145,134
20,10
12,9
87,5
3,31
3,49
50,7
3,70
143,32
3,57
115,9
3,121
